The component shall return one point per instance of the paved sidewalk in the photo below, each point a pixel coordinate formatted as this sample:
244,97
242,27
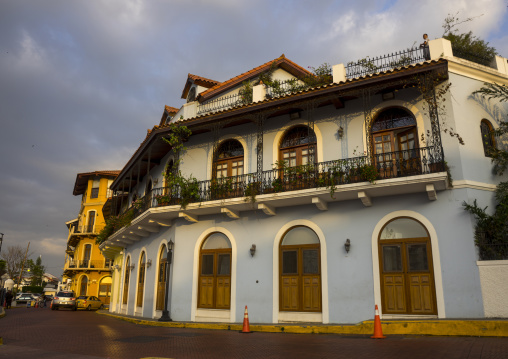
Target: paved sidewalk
432,327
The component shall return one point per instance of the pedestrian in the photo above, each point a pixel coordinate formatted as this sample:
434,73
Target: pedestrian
8,299
425,46
42,303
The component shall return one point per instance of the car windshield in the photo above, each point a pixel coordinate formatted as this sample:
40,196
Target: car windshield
65,294
82,297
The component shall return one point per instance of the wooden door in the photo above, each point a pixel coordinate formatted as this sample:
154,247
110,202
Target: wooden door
105,293
215,279
407,278
141,285
126,283
384,158
409,156
161,284
300,278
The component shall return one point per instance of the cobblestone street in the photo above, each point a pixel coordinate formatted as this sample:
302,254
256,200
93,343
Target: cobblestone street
42,333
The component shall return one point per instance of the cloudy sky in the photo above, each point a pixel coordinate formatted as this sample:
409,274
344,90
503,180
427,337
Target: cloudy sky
81,81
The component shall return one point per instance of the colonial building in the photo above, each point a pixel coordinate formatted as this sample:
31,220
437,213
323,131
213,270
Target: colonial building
311,197
86,270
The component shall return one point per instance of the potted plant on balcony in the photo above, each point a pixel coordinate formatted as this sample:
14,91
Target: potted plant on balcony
251,191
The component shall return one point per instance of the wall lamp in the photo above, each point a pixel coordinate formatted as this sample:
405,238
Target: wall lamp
116,266
340,132
131,267
347,245
252,250
148,263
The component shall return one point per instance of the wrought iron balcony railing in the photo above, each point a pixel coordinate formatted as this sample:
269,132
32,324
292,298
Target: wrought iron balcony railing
88,264
472,57
87,229
324,174
223,103
373,65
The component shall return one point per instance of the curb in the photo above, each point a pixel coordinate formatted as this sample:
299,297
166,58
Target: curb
477,328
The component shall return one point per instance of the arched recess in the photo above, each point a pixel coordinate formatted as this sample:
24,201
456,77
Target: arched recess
87,254
223,139
284,130
407,106
83,285
90,221
281,315
436,260
126,280
225,315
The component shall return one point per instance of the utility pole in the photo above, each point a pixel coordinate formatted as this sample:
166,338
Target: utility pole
23,265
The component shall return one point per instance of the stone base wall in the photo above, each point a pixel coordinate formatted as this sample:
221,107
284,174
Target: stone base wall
494,282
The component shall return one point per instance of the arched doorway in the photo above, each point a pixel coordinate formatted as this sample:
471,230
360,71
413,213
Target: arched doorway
126,280
394,139
105,290
83,285
300,271
406,268
214,290
162,278
141,280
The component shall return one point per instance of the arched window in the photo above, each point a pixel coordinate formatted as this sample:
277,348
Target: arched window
141,279
192,94
126,280
300,271
84,285
90,222
228,161
105,290
87,253
395,143
488,139
161,280
298,147
407,277
148,187
215,272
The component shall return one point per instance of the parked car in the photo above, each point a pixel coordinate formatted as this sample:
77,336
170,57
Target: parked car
89,302
24,297
65,299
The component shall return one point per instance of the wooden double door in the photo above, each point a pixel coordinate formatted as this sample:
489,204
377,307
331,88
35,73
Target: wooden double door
407,277
396,152
300,278
215,279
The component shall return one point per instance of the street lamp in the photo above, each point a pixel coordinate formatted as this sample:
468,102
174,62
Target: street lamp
165,313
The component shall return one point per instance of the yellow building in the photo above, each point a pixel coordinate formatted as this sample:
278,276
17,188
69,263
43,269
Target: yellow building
86,270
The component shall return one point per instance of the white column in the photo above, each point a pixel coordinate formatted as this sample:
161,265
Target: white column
258,93
339,73
440,48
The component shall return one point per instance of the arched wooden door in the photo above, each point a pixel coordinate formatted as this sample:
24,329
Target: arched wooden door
161,280
141,280
300,271
83,285
126,281
406,267
105,290
215,272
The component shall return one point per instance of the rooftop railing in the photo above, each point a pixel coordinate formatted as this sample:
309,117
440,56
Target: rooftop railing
87,229
373,65
222,103
328,174
472,57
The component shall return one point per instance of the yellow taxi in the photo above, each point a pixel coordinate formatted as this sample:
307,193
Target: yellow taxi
89,302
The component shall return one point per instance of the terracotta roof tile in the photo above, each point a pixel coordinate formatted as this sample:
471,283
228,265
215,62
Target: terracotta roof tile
82,179
198,80
168,111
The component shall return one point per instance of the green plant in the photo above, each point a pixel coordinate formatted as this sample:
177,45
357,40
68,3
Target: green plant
189,190
251,191
246,93
113,224
163,199
222,187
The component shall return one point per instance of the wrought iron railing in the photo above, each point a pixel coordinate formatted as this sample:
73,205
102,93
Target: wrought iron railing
87,264
222,103
457,52
88,229
373,65
323,174
280,88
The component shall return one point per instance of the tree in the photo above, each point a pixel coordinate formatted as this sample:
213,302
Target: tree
467,45
14,257
3,267
37,271
491,231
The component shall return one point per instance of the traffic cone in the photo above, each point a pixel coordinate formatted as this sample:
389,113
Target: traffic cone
246,327
378,332
36,304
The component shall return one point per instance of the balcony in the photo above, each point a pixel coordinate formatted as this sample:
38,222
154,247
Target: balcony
384,174
87,230
77,265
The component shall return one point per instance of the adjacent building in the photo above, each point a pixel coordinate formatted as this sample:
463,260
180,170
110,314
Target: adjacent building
86,270
309,198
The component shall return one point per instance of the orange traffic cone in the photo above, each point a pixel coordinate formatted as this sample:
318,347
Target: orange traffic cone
246,327
36,304
378,332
